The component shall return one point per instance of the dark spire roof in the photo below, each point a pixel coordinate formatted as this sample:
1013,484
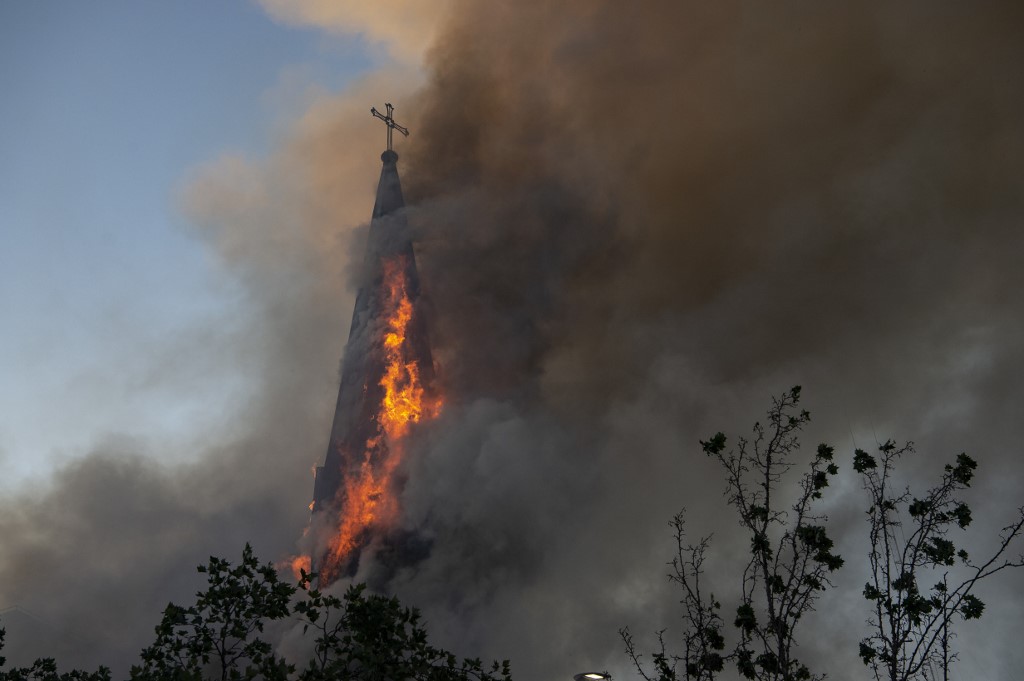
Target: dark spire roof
389,189
389,231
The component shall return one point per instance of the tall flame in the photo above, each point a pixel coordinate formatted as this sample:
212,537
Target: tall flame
368,497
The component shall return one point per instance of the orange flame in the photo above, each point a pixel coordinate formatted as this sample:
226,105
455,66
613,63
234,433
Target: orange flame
369,497
298,564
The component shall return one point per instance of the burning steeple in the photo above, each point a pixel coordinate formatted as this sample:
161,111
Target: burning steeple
386,387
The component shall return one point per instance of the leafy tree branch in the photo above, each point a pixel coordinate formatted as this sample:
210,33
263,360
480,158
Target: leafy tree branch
910,544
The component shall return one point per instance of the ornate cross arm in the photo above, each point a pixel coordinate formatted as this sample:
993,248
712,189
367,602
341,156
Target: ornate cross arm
389,120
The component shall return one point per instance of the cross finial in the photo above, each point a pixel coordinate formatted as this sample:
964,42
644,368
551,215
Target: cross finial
389,120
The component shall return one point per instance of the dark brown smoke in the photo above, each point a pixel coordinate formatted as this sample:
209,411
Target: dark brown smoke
636,221
814,168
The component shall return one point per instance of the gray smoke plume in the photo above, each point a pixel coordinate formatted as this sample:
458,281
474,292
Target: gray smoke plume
636,222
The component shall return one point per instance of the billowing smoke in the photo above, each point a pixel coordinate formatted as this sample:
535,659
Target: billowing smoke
635,223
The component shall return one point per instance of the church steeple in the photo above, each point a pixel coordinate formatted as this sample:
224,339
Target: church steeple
386,387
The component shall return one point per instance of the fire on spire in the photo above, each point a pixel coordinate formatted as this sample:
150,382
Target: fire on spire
387,386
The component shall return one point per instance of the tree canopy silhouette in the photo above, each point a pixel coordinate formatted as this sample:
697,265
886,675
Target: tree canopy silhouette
920,580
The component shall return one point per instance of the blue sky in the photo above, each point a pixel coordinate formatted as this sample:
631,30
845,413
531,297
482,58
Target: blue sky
105,107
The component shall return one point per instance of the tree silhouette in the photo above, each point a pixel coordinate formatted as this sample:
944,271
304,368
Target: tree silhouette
220,634
359,637
370,637
703,640
921,581
790,561
45,669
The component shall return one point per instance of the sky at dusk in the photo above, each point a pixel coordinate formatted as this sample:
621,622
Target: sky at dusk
634,224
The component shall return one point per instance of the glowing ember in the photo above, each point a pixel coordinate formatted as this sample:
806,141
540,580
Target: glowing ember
368,497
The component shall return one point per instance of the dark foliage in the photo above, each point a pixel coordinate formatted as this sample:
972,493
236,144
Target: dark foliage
359,637
790,562
45,669
370,637
921,581
704,653
219,636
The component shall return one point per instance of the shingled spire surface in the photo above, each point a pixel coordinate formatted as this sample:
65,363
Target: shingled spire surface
386,387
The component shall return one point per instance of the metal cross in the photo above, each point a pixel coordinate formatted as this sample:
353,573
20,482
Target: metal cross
389,120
